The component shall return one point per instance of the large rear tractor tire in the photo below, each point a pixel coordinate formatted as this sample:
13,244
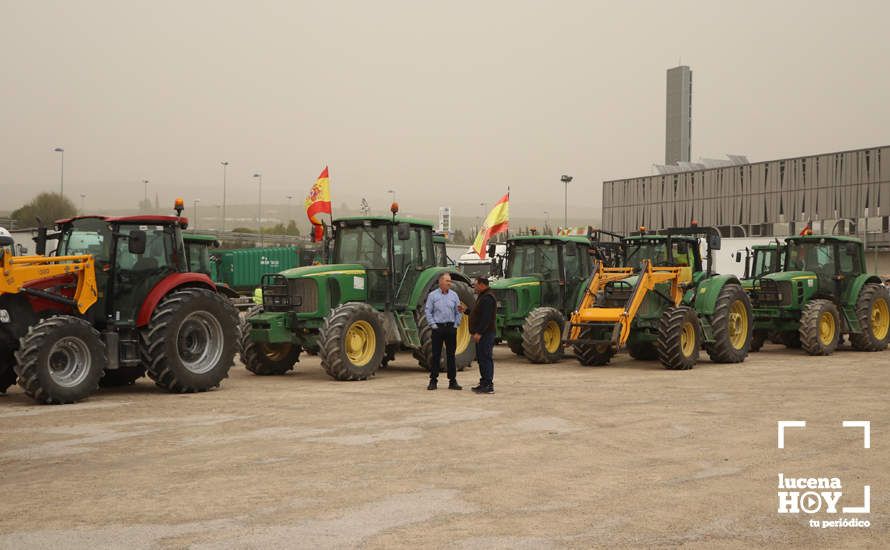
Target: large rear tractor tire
873,312
819,327
465,351
190,342
7,369
123,376
589,354
265,359
732,323
643,351
60,360
679,338
758,338
352,342
542,335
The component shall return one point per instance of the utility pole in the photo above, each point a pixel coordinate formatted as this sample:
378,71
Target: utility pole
225,165
61,151
565,203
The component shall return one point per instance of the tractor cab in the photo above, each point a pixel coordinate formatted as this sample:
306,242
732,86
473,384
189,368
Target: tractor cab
761,260
441,251
132,255
665,251
197,250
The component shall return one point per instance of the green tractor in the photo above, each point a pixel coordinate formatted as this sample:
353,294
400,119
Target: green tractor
714,313
760,260
543,281
822,293
357,312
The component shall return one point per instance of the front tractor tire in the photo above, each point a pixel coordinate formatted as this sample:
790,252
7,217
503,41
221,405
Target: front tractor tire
873,312
819,327
732,323
465,350
190,341
60,360
590,354
7,369
352,342
265,359
679,338
542,335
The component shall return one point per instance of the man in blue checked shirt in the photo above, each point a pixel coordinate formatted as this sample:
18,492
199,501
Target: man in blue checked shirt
443,312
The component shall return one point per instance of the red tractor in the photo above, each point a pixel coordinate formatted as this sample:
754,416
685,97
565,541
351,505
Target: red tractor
151,316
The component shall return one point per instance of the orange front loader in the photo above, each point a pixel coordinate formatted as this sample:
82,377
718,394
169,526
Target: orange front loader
597,331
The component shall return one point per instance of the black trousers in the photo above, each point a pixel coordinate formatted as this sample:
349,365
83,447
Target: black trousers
484,356
444,334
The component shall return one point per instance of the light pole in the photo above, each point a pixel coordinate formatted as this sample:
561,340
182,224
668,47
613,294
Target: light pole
290,212
145,193
393,193
61,152
83,197
225,165
195,202
565,203
218,210
546,219
259,211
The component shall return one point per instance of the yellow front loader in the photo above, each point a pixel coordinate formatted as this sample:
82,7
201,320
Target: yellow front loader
597,331
26,275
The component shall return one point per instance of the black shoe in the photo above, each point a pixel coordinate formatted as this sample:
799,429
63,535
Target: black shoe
433,384
453,385
483,389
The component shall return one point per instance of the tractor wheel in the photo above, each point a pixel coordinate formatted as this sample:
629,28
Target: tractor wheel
516,347
819,327
679,338
7,369
465,350
265,359
122,376
592,355
643,351
790,340
60,360
758,338
542,335
190,341
731,322
873,312
352,342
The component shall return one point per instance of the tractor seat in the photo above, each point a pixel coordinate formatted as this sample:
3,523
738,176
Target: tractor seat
145,264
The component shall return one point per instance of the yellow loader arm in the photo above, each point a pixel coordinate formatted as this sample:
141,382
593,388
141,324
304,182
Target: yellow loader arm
19,271
620,318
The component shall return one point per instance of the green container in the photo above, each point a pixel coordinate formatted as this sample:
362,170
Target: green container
243,268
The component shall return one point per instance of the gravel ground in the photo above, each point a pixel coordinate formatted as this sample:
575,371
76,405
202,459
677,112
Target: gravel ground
627,455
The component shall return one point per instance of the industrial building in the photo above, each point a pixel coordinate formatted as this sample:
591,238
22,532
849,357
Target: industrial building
844,192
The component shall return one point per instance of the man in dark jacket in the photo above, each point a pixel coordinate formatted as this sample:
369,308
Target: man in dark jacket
483,329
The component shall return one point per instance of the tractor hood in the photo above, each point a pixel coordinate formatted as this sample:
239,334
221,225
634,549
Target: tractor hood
514,282
790,275
324,270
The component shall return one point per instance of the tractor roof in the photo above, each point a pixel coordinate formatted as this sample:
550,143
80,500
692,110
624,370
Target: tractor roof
128,219
770,246
817,238
654,237
561,238
385,219
194,237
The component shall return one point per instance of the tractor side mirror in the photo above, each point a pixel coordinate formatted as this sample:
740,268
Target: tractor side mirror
40,240
136,242
492,250
404,231
738,257
852,249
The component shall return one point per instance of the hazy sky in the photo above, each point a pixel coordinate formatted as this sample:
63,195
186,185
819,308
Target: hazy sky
446,102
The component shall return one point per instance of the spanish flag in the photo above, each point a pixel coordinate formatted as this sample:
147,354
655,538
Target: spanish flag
319,202
497,221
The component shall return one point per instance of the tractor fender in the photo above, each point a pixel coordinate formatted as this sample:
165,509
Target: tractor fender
164,287
859,282
708,290
427,281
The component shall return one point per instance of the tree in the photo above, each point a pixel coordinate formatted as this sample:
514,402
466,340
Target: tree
48,207
244,230
292,228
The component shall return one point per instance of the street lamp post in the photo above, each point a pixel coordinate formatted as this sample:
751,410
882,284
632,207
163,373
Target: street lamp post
546,219
218,210
225,165
195,202
83,197
61,152
145,193
565,204
393,193
259,212
290,211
